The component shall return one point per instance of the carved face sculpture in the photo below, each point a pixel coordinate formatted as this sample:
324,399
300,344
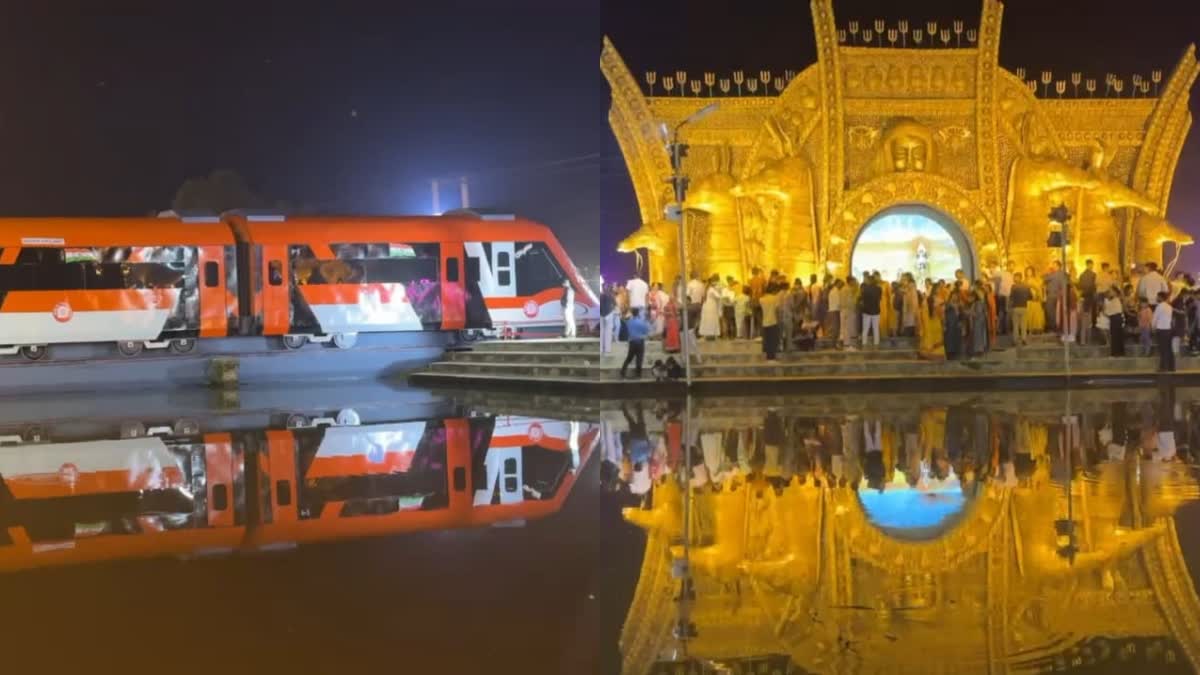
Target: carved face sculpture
908,146
916,79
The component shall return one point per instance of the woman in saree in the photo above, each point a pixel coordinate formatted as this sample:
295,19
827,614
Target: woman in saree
932,332
1035,314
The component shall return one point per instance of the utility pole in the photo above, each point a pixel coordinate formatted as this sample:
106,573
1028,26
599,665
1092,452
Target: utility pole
437,207
676,213
462,190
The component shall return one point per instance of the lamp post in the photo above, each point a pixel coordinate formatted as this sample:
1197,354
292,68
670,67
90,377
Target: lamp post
1060,215
676,212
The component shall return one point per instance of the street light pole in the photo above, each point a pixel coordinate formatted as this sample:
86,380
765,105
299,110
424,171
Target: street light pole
677,213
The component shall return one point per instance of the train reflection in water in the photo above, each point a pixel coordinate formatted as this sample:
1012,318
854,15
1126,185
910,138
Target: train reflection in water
1022,533
182,492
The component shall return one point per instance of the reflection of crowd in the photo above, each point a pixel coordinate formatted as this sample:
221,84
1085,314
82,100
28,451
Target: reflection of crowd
935,448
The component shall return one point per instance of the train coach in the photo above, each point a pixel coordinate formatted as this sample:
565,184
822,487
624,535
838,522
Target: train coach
164,283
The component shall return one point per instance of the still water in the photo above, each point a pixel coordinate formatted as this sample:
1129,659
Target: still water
367,528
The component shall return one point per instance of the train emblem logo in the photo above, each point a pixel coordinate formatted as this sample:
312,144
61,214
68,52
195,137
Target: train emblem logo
62,312
536,434
531,308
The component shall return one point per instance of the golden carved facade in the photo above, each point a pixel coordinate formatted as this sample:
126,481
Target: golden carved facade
789,181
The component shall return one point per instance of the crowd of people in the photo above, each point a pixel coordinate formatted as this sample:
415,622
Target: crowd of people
955,318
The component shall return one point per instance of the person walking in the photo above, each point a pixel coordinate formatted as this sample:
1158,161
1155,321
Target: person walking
1164,319
951,325
1114,309
1019,297
696,291
871,296
729,295
608,319
568,309
769,303
637,329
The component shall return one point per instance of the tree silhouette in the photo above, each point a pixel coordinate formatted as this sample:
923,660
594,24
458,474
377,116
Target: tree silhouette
220,191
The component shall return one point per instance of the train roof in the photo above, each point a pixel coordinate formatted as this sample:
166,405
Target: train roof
81,232
353,229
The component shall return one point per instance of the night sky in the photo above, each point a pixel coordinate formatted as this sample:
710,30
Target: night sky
1093,36
344,107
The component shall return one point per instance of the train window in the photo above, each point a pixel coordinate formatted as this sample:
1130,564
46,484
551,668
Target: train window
275,273
220,498
537,269
212,274
452,269
283,493
300,251
503,278
40,256
502,259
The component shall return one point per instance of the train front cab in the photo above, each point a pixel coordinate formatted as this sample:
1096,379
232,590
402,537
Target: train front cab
68,503
134,282
327,280
332,483
519,268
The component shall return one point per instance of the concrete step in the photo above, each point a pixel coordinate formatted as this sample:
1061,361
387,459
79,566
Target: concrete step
515,357
543,345
849,368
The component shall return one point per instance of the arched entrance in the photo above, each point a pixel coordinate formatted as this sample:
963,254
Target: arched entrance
912,238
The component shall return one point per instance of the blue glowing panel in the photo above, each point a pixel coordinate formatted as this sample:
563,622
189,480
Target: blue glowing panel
906,242
912,509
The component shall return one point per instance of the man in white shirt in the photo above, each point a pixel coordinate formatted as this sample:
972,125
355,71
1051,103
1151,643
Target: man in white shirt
1151,284
638,289
1163,317
1003,279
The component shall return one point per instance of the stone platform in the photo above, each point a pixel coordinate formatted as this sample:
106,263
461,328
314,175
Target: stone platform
730,365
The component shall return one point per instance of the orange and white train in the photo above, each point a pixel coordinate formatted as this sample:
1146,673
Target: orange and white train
146,283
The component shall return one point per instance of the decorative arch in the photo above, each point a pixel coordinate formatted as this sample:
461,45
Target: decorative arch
941,195
967,259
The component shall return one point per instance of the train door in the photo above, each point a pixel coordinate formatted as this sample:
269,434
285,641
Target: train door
476,308
276,290
213,310
454,298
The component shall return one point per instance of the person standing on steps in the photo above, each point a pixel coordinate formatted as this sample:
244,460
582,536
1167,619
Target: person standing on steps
638,290
608,319
1019,297
1114,309
637,330
871,297
1164,318
769,303
568,310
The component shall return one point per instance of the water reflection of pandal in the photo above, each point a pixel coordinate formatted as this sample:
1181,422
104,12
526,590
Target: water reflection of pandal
790,561
203,493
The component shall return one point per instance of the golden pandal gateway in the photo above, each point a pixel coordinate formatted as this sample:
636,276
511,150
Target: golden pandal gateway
805,576
791,181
